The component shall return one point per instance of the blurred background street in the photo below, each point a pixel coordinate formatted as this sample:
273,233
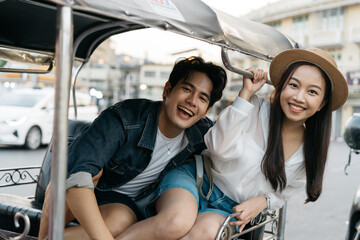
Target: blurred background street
324,219
130,65
327,217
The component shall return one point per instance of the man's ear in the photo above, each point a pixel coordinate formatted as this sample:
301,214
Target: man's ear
167,89
204,116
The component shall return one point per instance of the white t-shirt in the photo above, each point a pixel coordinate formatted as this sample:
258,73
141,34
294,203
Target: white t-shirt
237,144
164,149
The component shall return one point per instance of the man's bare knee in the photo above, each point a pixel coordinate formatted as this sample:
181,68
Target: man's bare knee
177,212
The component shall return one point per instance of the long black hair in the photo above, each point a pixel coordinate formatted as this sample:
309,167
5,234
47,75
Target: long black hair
316,140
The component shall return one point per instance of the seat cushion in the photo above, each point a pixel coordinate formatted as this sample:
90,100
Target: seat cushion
7,234
11,204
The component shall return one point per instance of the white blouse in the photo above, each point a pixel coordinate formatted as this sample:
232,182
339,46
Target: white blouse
237,144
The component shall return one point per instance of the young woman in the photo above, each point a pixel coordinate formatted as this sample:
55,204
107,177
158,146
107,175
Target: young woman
262,151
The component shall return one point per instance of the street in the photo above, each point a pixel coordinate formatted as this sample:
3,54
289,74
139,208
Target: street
324,219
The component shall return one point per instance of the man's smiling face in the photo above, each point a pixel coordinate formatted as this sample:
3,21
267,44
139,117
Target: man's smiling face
185,104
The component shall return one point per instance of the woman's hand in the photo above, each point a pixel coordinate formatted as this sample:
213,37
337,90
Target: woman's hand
248,210
251,86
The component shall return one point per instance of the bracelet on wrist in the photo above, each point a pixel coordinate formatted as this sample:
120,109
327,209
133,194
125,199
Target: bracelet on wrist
267,201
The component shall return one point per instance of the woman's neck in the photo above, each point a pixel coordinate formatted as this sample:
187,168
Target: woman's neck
292,138
293,127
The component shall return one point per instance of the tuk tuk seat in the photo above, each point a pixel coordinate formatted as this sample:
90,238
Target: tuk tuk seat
11,204
75,128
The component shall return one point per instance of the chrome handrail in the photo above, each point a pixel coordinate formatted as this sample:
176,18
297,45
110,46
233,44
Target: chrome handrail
26,230
226,61
277,229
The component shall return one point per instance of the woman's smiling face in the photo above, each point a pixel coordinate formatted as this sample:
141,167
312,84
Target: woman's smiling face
303,94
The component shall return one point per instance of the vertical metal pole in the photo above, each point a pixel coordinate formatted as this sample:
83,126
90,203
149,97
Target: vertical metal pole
127,85
75,71
282,219
64,57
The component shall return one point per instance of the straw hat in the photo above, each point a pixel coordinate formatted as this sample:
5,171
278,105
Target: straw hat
321,59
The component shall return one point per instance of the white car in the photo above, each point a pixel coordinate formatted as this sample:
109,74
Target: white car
26,115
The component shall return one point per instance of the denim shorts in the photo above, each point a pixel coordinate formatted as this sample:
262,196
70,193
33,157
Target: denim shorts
184,177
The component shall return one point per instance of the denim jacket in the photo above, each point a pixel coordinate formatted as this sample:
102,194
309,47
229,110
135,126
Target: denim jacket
121,141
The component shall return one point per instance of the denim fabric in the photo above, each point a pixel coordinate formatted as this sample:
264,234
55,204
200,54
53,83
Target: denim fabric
185,177
121,140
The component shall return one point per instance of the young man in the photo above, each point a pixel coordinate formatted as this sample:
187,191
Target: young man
129,148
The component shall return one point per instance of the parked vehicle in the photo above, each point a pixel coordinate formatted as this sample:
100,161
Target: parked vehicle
352,138
39,33
27,114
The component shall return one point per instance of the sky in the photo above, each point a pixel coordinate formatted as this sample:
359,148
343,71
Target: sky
160,46
237,7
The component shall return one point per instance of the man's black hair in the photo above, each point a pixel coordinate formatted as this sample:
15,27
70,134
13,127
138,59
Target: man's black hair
185,67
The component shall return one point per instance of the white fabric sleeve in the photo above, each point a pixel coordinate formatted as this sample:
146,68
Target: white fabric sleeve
278,199
224,141
80,180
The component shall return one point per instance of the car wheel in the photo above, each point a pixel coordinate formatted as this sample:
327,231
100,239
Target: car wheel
33,138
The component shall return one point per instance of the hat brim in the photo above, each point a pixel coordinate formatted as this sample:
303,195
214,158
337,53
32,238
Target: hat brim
283,60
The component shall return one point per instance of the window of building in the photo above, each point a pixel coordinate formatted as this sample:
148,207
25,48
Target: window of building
300,25
356,109
149,90
333,19
337,56
164,75
149,74
276,25
338,60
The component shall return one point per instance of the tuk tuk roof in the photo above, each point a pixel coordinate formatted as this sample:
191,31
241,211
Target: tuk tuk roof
31,25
